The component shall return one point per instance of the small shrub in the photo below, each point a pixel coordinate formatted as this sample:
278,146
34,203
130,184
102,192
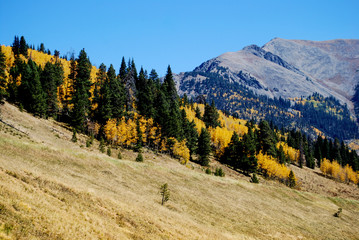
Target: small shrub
165,193
109,151
292,182
337,214
208,171
88,144
102,145
219,172
119,155
139,157
74,137
254,178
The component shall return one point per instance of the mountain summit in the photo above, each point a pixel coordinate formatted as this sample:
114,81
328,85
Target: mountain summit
286,68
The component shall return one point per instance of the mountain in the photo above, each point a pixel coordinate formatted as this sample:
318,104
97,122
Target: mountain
285,69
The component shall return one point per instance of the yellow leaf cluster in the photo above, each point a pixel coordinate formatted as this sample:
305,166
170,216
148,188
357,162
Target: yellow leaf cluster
180,150
123,131
343,174
220,136
271,168
290,152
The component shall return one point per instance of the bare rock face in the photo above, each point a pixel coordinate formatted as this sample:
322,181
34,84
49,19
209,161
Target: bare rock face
284,68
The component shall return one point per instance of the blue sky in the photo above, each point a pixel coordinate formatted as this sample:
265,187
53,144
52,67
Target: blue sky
180,33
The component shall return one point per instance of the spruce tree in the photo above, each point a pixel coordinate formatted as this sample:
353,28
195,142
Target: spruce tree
204,147
123,69
211,115
81,96
169,86
30,90
117,93
23,46
145,97
51,77
3,82
16,46
291,180
266,139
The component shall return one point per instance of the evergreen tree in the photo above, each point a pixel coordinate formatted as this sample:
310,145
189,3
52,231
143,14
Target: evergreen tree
30,90
16,46
81,96
42,48
165,193
145,97
3,81
102,96
211,116
292,181
204,147
117,93
198,113
169,86
23,46
162,112
139,157
231,152
266,139
154,77
51,77
123,69
190,133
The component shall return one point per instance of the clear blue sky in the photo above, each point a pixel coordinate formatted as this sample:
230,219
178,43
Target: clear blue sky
180,33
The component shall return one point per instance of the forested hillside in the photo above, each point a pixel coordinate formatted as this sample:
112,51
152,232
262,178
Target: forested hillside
135,110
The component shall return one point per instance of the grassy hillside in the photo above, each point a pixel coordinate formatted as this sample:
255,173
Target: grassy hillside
51,188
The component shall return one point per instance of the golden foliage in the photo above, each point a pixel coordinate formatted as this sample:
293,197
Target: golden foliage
271,168
180,150
343,174
220,136
291,153
124,132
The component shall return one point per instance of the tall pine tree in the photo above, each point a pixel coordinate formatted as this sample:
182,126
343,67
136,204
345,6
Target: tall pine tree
81,95
204,147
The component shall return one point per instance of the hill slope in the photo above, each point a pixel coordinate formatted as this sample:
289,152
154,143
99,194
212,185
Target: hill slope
288,69
53,188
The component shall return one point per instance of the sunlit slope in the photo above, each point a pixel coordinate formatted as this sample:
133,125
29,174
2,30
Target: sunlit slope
52,188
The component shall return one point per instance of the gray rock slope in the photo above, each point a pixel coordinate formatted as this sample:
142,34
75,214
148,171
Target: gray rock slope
287,69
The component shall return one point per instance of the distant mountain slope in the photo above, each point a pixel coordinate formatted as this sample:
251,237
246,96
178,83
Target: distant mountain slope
288,69
334,64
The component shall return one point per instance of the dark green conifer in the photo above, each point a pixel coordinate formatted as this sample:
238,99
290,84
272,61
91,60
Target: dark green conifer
123,69
81,95
23,46
204,147
16,46
211,116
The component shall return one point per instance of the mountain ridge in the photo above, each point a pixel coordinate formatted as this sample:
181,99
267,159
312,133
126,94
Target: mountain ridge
288,69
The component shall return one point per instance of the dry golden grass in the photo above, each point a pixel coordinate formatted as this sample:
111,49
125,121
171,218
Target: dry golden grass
51,188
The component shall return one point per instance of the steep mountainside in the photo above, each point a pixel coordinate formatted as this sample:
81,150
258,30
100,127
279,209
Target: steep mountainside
288,69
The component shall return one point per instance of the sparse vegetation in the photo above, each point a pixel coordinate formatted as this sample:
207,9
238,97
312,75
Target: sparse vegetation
139,157
337,214
74,136
165,193
219,172
254,178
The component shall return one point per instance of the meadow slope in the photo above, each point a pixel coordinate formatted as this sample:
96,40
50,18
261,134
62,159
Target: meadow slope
51,188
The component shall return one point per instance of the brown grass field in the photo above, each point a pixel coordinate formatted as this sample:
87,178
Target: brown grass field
51,188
